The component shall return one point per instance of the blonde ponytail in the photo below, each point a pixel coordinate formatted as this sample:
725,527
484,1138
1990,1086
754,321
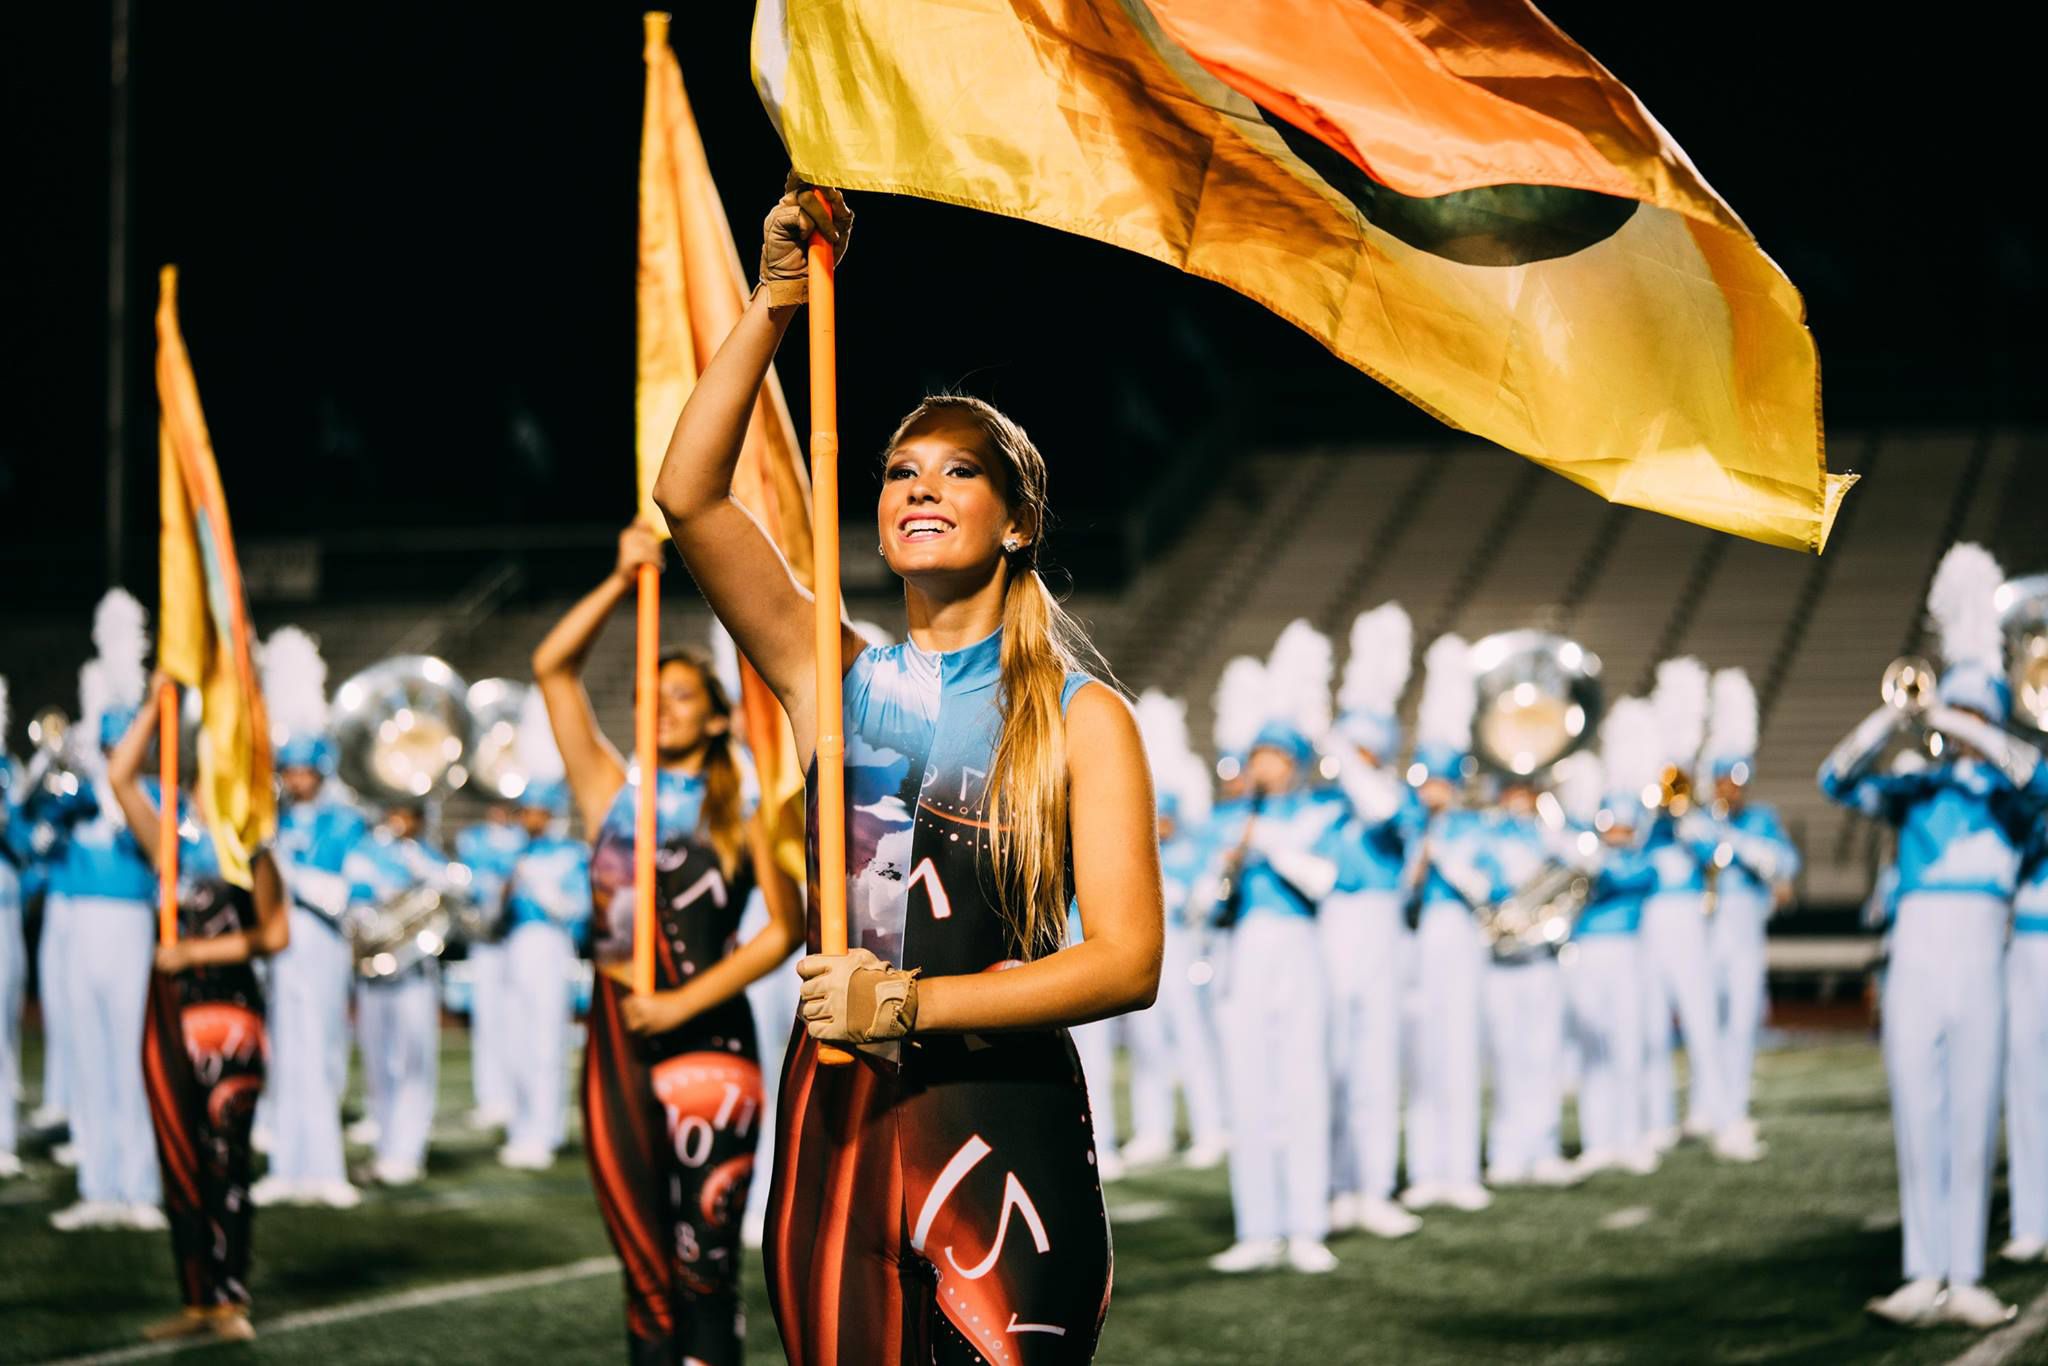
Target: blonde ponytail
1042,645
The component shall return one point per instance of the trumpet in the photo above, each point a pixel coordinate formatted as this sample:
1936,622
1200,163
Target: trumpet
1675,791
1908,686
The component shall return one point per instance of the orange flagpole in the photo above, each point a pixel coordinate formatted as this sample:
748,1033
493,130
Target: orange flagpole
167,813
825,575
646,655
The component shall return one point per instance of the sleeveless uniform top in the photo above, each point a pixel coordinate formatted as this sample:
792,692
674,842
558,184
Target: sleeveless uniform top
921,732
697,907
209,906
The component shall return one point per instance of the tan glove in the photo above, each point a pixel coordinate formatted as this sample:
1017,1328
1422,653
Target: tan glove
855,997
786,237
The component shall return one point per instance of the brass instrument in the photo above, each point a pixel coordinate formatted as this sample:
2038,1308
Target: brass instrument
493,764
2023,615
53,765
399,933
401,729
1675,790
1539,700
1538,917
1909,684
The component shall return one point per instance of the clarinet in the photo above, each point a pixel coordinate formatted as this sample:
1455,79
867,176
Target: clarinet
1233,899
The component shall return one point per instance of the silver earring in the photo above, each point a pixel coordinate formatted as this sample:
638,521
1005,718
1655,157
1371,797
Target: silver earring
880,549
1011,545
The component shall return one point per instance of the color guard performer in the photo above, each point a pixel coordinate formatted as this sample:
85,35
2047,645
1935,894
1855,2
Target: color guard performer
203,1051
1962,821
317,828
1364,932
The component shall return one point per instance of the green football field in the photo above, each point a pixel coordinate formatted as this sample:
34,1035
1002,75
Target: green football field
1700,1262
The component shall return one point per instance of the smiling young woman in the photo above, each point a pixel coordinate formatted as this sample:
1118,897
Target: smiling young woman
937,1201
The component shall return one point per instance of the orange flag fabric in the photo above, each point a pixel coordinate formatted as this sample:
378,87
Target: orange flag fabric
692,292
1453,197
203,624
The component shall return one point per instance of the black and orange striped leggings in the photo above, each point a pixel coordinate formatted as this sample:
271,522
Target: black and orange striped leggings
670,1126
203,1064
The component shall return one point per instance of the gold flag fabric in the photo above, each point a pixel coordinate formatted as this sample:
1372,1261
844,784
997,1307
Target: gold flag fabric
203,622
1454,198
692,292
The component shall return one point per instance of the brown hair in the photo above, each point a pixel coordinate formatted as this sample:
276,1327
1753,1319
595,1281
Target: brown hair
1027,782
719,821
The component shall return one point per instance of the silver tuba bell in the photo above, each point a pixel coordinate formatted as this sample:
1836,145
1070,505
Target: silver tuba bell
1539,701
494,707
2023,615
401,729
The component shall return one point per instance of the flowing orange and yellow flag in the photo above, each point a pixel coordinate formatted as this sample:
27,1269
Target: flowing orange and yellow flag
203,638
1453,197
692,292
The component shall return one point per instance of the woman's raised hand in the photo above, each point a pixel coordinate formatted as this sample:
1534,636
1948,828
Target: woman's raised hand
786,236
637,546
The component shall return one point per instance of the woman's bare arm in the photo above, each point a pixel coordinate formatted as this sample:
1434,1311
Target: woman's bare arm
1116,880
124,773
592,766
769,947
270,934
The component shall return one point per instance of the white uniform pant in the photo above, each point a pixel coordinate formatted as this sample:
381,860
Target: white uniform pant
1275,1044
1096,1044
538,958
398,1025
2026,1082
111,955
773,998
13,983
53,993
1604,982
491,1027
1678,977
1735,936
1362,966
1174,1044
1152,1073
308,1013
1443,1097
1943,1037
1525,1046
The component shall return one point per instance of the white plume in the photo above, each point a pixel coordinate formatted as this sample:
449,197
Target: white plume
1632,745
1962,603
1732,734
725,661
294,683
1163,724
1580,784
1298,675
3,714
1448,696
1240,704
93,698
120,632
1680,698
1382,657
534,746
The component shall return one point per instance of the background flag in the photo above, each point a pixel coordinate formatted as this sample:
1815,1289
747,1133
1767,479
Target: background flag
1453,197
203,623
692,292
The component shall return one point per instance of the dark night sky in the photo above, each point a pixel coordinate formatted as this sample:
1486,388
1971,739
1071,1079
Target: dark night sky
407,242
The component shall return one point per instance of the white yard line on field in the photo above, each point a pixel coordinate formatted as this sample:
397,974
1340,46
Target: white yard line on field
2000,1346
374,1307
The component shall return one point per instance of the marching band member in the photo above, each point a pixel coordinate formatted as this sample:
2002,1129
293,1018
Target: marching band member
547,914
1962,822
1524,1008
310,978
2026,1057
1445,872
1362,931
488,849
982,763
1604,979
1678,977
1188,1048
204,1051
1754,864
1287,849
671,1080
13,951
100,910
398,1018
